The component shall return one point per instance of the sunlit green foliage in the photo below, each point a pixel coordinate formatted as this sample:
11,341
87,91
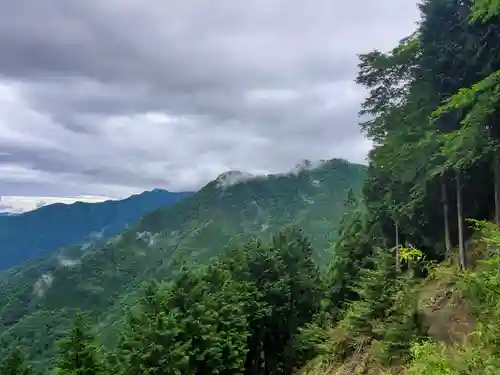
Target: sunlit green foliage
477,354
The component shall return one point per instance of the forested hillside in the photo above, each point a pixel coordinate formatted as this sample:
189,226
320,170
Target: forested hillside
429,306
411,286
38,298
38,232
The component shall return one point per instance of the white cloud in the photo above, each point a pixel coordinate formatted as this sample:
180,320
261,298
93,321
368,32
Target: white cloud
25,203
90,106
43,284
67,262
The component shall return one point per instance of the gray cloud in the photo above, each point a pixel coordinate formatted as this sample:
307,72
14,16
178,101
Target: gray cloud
112,97
3,206
40,204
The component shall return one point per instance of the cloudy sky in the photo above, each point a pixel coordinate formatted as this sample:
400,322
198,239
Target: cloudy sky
107,98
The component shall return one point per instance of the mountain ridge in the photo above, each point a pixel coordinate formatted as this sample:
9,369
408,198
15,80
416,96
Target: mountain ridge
103,280
57,225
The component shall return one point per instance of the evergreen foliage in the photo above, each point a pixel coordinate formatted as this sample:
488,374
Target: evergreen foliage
14,364
39,299
78,352
236,316
408,249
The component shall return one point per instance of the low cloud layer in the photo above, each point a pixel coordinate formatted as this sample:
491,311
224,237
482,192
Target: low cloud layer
18,204
107,98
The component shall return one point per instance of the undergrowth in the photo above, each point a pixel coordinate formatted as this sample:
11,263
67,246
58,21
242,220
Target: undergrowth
477,352
446,323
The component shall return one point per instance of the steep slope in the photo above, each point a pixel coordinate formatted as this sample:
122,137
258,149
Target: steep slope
457,314
227,211
35,233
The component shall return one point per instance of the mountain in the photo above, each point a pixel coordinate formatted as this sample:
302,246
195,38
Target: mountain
38,298
7,214
35,233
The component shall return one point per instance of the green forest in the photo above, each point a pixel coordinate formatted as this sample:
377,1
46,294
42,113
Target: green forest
411,283
39,299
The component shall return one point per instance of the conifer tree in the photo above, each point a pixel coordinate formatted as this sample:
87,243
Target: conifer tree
78,351
14,364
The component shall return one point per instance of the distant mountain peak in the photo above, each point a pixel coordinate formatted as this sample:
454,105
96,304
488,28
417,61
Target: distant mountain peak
157,190
229,178
196,229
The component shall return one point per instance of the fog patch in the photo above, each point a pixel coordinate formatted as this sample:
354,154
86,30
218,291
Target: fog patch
147,237
116,239
231,178
260,212
307,199
67,262
85,246
307,165
97,235
261,215
43,284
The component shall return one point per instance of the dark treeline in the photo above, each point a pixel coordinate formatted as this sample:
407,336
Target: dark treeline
266,308
238,315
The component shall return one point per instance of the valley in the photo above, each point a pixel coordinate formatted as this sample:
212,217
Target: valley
103,280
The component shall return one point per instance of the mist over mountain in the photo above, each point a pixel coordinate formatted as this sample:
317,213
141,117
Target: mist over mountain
104,280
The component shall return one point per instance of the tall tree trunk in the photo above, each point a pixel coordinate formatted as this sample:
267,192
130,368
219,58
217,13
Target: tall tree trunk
496,174
493,132
460,221
268,354
252,362
396,226
446,213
